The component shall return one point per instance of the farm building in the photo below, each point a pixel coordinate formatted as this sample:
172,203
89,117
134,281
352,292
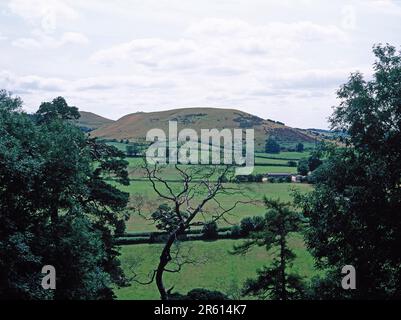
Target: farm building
280,175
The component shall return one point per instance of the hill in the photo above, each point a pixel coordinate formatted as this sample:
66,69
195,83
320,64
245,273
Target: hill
135,126
92,121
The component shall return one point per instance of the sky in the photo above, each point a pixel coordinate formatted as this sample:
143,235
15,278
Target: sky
281,60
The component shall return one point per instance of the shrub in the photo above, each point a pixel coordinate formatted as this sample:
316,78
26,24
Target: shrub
204,294
225,235
236,231
246,226
157,237
210,231
251,224
130,240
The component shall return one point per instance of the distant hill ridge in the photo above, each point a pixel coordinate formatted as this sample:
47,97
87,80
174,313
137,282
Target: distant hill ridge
92,121
135,126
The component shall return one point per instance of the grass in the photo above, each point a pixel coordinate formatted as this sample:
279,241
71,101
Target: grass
120,146
143,190
284,155
259,160
136,172
273,169
221,270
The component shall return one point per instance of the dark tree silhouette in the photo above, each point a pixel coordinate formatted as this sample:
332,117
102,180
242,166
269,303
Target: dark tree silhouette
274,282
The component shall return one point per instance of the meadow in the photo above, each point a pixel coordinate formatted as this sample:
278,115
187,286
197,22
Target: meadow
218,268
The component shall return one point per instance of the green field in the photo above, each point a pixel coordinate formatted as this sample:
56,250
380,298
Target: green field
283,155
219,269
255,190
260,160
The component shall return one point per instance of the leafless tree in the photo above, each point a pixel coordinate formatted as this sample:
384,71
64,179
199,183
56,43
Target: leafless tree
188,196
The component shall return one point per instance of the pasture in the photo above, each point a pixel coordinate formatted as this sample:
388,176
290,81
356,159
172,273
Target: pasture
217,269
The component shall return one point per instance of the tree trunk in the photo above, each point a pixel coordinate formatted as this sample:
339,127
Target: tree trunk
165,258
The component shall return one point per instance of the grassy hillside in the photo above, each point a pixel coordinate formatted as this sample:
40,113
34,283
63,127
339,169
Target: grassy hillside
135,126
92,121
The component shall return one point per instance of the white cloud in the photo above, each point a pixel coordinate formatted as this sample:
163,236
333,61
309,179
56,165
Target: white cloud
44,41
349,19
34,83
219,37
45,14
45,17
270,58
231,56
389,7
213,49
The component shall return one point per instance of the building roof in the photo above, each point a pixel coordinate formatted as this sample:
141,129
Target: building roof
286,174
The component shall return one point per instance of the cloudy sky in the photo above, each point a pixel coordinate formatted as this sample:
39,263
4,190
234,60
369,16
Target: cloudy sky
281,59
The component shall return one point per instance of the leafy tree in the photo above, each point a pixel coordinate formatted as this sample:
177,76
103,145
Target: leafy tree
314,162
300,147
56,207
272,146
132,150
57,109
354,210
274,282
303,167
292,163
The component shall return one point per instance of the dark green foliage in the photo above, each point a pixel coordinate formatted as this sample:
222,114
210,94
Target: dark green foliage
200,294
314,162
274,282
303,167
310,164
272,146
251,224
56,207
248,178
299,147
204,294
292,163
132,150
354,211
327,287
165,218
57,109
236,231
210,231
